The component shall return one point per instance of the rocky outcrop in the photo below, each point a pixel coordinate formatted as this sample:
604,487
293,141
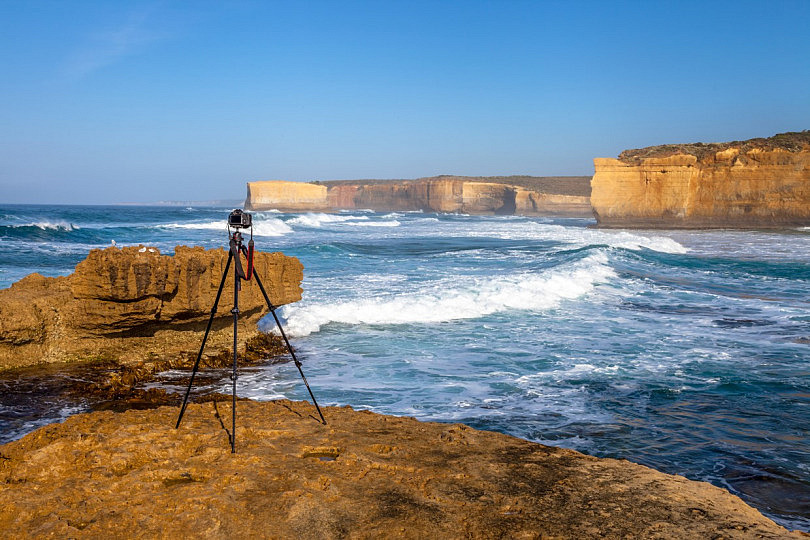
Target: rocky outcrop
364,475
128,303
756,183
440,194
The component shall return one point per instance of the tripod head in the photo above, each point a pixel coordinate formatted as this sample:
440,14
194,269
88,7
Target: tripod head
240,220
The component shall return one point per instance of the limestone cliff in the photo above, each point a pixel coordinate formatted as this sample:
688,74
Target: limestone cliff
440,194
364,475
756,183
128,303
286,196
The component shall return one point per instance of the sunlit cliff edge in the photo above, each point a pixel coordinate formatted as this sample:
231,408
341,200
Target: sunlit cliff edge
534,196
759,183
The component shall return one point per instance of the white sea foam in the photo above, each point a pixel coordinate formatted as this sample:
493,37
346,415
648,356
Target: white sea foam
318,220
218,225
393,223
270,227
51,225
580,237
457,299
572,371
265,227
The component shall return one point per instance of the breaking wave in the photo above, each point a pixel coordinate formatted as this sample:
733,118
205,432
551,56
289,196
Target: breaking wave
318,220
270,227
457,299
40,230
265,227
581,237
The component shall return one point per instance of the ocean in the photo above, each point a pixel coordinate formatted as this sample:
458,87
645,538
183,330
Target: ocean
687,351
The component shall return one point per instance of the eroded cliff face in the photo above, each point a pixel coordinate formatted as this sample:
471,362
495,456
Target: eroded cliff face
444,194
726,185
123,304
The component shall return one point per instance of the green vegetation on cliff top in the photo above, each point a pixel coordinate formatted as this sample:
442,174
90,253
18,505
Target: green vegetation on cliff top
792,141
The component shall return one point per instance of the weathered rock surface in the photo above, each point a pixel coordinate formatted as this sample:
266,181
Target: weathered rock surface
364,475
133,303
440,194
756,183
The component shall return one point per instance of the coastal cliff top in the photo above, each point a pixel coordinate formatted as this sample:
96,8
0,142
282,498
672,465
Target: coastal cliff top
363,475
793,141
579,186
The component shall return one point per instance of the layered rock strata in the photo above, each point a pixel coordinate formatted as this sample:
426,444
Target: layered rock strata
363,475
129,303
441,194
756,183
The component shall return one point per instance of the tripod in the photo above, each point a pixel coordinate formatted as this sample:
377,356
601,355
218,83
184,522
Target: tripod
237,249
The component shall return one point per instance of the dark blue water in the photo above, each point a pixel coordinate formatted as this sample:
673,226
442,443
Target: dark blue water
688,351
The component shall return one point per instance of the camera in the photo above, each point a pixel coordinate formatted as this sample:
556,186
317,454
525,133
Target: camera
239,219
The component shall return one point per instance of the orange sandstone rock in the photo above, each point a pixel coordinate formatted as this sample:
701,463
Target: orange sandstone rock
286,196
758,183
128,303
439,194
364,475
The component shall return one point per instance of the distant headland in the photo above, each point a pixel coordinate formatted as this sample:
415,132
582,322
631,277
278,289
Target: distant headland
567,196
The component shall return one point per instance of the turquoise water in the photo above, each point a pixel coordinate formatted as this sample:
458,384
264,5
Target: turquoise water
688,351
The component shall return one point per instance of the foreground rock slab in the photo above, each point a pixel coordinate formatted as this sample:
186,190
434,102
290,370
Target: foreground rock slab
364,475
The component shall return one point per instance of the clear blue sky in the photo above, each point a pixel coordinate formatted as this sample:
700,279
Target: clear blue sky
110,101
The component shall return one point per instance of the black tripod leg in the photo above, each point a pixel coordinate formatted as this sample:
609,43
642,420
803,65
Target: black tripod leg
272,309
205,337
235,312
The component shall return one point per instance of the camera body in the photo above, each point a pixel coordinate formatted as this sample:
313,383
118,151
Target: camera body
239,219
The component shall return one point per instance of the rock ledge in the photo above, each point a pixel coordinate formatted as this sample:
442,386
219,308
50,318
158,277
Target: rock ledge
363,475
